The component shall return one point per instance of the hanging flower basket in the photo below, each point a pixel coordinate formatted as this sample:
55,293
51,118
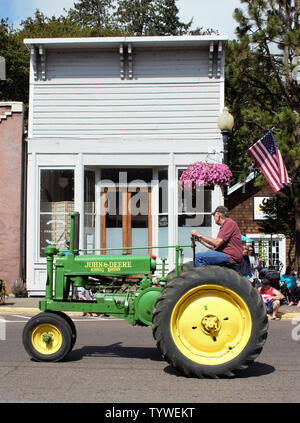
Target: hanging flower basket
205,174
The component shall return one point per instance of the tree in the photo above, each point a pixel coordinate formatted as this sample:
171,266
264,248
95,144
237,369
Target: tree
150,17
280,218
167,21
92,13
15,87
42,26
261,89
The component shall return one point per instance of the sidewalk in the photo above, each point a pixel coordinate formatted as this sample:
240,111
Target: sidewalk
24,306
30,307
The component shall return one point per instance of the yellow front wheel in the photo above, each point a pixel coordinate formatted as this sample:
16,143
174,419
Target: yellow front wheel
47,337
210,322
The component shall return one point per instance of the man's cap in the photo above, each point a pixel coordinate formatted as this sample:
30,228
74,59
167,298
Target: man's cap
222,210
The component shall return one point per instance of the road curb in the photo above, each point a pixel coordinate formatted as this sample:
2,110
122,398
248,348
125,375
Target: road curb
28,311
289,316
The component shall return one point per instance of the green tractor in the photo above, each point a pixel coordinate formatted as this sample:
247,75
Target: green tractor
206,321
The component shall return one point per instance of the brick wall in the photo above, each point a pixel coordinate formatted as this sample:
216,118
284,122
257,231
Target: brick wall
11,143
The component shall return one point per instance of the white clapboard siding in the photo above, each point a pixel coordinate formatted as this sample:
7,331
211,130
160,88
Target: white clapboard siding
125,109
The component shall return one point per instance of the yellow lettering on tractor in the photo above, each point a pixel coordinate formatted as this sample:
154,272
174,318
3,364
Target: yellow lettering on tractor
111,266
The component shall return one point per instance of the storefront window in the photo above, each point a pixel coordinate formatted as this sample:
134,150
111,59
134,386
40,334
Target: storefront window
89,210
56,202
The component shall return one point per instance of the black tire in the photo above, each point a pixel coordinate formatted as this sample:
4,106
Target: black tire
210,322
71,324
47,325
189,265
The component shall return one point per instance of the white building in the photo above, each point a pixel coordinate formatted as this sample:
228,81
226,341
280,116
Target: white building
106,114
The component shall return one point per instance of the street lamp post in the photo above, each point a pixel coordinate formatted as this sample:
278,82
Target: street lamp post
225,124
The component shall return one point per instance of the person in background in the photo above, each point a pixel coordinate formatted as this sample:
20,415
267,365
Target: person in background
85,295
66,248
271,297
297,293
255,262
244,267
289,279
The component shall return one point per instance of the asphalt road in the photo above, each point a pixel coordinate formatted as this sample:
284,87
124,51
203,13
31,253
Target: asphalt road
113,363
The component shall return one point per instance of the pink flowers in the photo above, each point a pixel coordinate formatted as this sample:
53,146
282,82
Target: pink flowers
205,174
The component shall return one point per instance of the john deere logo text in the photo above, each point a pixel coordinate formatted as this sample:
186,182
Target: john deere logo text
107,266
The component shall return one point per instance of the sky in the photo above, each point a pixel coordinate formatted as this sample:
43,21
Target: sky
216,14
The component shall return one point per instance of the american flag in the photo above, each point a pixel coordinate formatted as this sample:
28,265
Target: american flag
267,156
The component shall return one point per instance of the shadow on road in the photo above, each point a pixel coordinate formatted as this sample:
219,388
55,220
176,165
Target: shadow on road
114,350
255,370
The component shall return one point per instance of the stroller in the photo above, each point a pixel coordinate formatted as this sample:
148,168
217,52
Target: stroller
273,275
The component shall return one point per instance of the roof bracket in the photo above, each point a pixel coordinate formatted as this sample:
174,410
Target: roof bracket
42,53
130,69
210,59
220,49
215,60
122,66
34,62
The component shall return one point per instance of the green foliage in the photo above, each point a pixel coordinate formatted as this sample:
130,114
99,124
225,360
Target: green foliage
92,13
150,17
15,87
167,21
280,218
261,90
64,26
130,17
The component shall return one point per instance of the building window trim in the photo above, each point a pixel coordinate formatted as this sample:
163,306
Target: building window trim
40,259
276,237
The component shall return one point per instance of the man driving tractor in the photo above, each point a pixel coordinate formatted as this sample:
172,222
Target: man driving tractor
226,248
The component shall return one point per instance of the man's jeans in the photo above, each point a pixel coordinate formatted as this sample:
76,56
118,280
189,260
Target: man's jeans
210,257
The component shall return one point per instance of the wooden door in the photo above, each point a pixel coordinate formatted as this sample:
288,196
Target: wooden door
126,219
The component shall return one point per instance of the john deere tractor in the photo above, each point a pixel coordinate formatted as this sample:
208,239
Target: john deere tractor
206,321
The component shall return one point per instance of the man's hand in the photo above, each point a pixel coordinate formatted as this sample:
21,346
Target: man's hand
196,234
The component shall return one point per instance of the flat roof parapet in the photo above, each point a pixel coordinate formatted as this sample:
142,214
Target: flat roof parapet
102,42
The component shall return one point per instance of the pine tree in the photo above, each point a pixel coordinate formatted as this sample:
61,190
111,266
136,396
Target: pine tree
150,17
15,87
167,21
92,13
261,89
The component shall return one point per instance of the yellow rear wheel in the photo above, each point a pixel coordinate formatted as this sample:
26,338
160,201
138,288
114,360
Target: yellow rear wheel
209,322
